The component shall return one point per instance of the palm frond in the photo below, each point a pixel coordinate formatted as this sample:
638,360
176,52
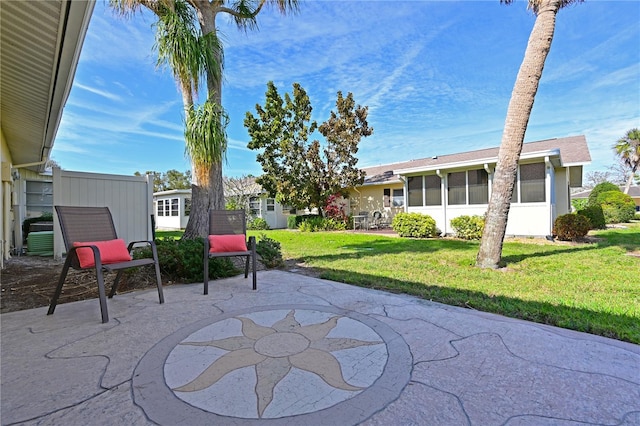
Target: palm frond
206,137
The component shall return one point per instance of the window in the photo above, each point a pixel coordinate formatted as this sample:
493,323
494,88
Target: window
478,186
174,206
387,197
398,197
457,189
532,183
254,206
39,198
414,185
160,211
434,191
271,204
187,206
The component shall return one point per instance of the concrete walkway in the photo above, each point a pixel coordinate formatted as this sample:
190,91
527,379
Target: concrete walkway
305,351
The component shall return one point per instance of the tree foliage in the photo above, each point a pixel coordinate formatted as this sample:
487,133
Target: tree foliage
628,150
297,172
171,179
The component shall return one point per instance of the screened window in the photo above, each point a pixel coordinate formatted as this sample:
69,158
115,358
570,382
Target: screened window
433,190
532,183
457,188
415,190
174,206
398,197
187,206
160,211
271,204
39,198
478,186
254,206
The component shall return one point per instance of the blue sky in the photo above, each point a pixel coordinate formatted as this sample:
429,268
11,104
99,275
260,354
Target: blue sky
436,75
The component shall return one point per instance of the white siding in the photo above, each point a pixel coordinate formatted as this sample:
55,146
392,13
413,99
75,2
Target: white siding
129,199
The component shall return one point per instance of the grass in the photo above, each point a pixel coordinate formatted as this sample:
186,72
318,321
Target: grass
593,287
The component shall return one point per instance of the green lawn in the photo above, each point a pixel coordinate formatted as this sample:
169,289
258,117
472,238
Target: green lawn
587,287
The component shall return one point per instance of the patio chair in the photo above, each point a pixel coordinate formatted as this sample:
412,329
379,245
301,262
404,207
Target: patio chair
379,221
228,238
92,243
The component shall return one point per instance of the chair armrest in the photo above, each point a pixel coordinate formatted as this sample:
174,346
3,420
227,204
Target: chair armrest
133,243
96,256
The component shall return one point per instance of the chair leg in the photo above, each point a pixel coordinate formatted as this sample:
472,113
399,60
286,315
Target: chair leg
253,261
56,294
246,267
156,265
159,283
102,296
114,287
206,273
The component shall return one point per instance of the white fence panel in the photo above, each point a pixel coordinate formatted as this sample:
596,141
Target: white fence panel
129,198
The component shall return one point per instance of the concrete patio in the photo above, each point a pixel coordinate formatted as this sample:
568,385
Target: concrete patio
305,351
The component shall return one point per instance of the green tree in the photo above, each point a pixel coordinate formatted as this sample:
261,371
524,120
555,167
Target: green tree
628,149
177,180
518,113
158,180
299,173
188,43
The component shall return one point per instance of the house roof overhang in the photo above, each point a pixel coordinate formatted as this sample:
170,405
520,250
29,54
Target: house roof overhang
40,44
553,155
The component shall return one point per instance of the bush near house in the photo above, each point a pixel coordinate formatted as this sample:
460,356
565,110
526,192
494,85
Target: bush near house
599,189
414,225
571,227
293,222
595,215
468,227
616,206
317,223
258,224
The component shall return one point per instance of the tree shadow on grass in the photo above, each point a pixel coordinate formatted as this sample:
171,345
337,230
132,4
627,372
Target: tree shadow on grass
615,326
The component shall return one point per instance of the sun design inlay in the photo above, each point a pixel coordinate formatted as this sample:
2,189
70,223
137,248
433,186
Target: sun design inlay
344,355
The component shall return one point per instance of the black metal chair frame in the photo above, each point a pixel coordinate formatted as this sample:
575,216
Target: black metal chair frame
226,222
89,224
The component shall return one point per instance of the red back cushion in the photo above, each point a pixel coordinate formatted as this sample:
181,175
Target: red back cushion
227,243
111,251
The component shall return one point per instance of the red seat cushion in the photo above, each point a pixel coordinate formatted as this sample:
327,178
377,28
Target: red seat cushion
111,251
227,243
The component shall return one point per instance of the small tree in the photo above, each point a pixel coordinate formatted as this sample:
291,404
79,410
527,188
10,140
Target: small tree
628,149
299,173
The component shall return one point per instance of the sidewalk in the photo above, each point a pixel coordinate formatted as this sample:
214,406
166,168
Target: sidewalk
305,351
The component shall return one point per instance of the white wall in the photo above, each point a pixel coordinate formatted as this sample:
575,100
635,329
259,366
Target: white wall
129,198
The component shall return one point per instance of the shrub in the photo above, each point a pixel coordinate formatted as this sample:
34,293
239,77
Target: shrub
599,189
571,227
617,206
318,223
637,215
269,251
414,225
258,224
579,203
468,227
181,260
293,222
595,215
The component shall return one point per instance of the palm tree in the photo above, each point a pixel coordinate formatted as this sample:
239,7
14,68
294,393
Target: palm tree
518,113
628,149
181,49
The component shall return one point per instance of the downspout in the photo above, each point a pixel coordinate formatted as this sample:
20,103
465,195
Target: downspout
548,190
443,200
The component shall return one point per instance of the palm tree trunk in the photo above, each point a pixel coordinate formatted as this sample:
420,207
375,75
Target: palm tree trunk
210,194
518,113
